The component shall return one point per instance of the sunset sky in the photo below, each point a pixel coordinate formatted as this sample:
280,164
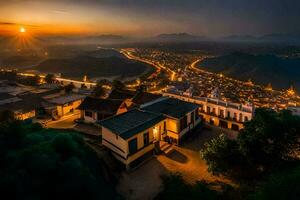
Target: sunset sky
150,17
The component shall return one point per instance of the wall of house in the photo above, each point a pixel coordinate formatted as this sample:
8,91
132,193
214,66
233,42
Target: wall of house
172,125
191,123
115,143
24,116
89,119
65,109
121,148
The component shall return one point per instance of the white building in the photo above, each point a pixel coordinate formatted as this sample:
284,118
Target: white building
134,135
218,112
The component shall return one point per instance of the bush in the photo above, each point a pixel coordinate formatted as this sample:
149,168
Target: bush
174,187
37,163
268,141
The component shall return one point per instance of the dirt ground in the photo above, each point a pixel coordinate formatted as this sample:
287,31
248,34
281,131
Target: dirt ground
145,182
67,122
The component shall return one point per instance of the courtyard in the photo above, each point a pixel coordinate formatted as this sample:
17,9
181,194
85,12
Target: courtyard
145,182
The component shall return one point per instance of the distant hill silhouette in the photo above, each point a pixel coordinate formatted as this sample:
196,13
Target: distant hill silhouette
92,67
270,38
262,69
17,60
179,37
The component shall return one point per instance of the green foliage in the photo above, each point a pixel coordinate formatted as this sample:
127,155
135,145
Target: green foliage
69,88
118,85
37,163
270,139
31,80
222,155
174,187
280,186
98,90
50,78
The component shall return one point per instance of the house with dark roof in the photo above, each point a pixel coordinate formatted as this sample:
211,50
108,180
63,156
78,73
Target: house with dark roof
121,94
131,136
143,97
63,104
134,135
95,109
182,117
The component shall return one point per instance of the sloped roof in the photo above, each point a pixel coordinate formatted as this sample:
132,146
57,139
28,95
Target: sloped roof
67,98
171,107
131,123
105,106
144,97
121,94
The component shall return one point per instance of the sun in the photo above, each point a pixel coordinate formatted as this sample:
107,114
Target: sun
22,30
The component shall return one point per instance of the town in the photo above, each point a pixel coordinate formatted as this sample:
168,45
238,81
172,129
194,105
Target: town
135,121
142,100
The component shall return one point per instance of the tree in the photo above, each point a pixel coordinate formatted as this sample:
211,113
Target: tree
269,140
98,91
69,88
174,187
37,163
50,78
142,88
222,155
31,80
281,186
118,85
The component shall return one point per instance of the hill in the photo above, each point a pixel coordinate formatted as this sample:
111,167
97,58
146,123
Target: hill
287,39
179,37
93,67
20,60
262,69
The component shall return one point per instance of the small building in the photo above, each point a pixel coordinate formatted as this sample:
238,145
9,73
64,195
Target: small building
121,94
181,117
220,113
143,97
124,95
95,109
65,104
20,109
131,136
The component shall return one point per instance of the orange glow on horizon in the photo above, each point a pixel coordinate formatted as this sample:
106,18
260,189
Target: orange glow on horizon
22,30
58,29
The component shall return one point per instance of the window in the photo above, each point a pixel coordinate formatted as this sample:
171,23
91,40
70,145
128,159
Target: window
228,114
208,110
165,125
88,114
146,139
132,146
192,117
222,113
197,114
246,119
234,116
214,111
183,123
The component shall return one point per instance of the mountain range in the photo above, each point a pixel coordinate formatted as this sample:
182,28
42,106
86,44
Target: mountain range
262,69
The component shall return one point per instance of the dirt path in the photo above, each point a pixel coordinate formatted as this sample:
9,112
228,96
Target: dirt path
145,183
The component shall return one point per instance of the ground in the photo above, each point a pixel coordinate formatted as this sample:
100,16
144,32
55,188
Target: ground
68,122
145,182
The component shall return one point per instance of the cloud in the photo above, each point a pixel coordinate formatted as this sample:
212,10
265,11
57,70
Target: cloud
64,12
7,24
